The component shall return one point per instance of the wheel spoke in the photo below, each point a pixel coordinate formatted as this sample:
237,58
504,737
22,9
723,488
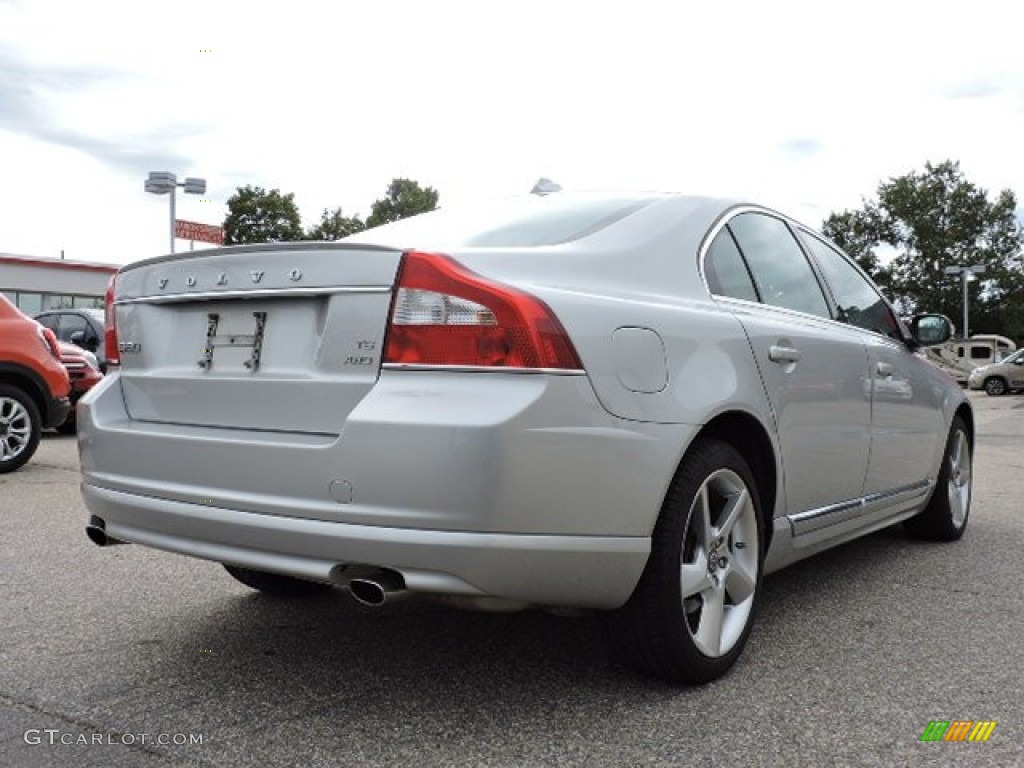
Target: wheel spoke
735,506
702,512
693,577
741,581
709,629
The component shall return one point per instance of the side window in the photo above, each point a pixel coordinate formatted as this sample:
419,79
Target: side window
725,270
780,269
69,324
49,321
981,353
860,303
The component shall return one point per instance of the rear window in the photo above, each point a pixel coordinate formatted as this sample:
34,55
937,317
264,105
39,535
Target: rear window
513,223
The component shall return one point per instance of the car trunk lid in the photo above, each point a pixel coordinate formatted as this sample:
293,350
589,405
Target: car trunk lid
282,337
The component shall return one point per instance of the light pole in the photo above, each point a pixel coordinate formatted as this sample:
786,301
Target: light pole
162,182
965,273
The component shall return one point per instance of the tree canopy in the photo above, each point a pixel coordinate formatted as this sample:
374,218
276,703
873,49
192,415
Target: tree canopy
334,226
932,220
258,216
404,198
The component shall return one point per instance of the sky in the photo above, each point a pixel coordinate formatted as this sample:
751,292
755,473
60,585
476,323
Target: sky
801,106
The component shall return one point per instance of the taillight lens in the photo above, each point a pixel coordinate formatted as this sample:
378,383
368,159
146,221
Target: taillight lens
49,339
445,314
110,349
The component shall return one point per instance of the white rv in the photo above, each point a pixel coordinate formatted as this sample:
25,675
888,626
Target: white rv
961,356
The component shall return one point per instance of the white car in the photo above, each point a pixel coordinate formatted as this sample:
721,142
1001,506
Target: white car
638,404
999,378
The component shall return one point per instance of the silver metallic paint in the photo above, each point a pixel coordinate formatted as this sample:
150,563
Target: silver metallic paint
527,485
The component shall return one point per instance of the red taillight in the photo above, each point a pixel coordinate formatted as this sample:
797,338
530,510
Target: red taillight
110,349
445,314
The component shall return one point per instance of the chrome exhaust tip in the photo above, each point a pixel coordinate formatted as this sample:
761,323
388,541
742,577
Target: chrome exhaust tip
373,589
96,530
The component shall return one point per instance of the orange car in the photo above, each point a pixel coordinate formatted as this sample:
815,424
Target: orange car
34,385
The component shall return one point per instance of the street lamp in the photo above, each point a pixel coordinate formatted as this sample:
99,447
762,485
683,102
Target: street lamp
965,273
162,182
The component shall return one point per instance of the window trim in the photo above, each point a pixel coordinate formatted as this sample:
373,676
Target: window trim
792,226
803,231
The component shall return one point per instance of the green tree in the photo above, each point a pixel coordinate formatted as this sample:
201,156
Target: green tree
334,226
258,216
932,220
404,198
857,233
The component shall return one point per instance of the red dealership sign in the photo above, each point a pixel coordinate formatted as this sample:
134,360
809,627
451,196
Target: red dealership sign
193,230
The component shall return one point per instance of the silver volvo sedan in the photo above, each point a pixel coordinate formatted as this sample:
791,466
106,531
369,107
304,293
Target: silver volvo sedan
637,404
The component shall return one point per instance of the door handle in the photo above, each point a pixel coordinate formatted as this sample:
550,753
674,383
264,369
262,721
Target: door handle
884,369
780,354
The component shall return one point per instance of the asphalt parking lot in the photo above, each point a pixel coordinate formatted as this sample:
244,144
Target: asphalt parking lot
126,656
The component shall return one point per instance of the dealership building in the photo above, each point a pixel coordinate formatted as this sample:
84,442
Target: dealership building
37,284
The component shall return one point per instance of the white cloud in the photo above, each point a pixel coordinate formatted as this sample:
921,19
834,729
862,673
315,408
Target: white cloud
803,106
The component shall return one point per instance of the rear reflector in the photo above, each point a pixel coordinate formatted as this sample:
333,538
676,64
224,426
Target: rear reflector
110,349
445,314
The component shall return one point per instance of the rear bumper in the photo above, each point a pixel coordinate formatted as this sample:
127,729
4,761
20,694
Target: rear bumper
584,571
532,492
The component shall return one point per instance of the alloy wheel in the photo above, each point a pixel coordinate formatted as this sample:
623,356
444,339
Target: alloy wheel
958,486
718,572
15,429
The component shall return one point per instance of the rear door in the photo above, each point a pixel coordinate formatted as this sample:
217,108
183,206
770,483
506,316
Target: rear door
815,372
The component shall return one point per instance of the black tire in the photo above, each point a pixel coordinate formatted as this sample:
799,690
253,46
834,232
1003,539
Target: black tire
69,426
945,516
275,583
660,631
20,427
995,386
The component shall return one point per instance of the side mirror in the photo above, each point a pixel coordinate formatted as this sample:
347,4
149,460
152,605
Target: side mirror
85,340
930,330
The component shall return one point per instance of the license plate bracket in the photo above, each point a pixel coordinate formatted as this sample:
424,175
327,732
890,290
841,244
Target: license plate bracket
244,340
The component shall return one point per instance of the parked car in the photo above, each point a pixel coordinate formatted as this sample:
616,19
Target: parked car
34,386
82,326
999,378
84,372
639,404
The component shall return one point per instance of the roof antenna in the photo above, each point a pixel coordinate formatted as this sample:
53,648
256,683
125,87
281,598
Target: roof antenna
545,186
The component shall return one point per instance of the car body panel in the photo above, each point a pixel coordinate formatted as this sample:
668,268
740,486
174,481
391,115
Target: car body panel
910,417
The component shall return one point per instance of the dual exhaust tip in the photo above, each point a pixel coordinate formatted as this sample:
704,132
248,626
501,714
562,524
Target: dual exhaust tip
372,588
